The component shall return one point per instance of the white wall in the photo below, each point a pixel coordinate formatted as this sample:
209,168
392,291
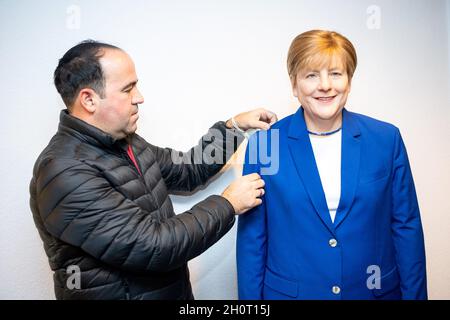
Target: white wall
201,61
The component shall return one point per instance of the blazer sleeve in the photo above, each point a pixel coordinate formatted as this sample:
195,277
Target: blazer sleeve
251,242
407,227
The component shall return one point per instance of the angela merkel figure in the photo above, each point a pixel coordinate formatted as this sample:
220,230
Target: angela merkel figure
339,218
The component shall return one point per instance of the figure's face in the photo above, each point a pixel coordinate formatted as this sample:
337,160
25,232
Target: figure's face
322,92
117,112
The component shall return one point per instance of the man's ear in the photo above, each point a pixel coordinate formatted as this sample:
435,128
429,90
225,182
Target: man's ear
88,99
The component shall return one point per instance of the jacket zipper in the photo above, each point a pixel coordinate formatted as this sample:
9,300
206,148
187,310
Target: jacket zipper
141,177
135,166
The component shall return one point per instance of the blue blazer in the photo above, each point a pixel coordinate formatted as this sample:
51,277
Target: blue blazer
288,247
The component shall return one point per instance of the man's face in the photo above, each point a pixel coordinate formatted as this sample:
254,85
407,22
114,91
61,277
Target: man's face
117,113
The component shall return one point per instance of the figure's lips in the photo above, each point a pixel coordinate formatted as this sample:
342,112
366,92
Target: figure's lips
325,99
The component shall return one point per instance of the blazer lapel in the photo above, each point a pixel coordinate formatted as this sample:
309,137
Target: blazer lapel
305,163
350,160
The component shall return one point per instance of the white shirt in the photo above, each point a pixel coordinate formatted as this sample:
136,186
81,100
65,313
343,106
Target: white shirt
327,152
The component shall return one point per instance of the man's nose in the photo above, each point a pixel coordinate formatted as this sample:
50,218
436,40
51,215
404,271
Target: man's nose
138,98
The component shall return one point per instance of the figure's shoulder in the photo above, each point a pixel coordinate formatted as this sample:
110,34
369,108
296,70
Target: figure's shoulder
372,125
281,126
283,123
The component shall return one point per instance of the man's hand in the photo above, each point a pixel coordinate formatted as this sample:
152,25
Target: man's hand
245,192
254,119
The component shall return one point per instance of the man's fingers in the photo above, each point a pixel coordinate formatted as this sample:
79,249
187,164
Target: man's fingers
268,116
272,117
266,119
260,192
264,125
258,124
256,119
259,183
252,176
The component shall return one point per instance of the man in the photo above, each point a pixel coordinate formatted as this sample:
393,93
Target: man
99,193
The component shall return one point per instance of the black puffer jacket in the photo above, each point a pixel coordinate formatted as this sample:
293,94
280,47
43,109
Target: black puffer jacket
96,212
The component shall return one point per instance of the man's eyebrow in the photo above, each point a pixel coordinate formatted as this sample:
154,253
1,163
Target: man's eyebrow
131,84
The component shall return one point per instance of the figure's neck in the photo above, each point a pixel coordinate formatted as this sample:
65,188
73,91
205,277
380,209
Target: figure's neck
318,125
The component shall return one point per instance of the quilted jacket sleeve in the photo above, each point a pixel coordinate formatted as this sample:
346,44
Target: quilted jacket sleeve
188,170
78,206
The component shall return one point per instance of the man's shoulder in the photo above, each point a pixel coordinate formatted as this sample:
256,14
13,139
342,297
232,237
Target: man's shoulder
140,144
61,153
139,140
52,163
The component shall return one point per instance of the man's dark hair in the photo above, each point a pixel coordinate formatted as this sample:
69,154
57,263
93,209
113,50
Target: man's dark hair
80,68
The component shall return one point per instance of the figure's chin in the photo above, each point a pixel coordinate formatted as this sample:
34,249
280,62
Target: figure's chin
327,113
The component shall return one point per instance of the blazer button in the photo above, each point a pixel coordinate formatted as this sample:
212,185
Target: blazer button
336,290
332,243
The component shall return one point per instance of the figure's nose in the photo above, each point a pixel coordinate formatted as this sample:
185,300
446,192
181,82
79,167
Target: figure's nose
324,83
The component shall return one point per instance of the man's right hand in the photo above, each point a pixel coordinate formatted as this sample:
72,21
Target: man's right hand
245,192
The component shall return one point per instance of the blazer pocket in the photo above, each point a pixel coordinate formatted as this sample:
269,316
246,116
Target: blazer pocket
282,285
388,282
372,177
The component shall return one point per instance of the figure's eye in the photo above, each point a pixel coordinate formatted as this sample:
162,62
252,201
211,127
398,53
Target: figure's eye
310,75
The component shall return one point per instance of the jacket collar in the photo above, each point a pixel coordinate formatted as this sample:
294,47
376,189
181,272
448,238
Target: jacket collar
305,163
298,130
82,130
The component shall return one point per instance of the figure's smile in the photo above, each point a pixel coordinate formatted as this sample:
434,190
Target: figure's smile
325,99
